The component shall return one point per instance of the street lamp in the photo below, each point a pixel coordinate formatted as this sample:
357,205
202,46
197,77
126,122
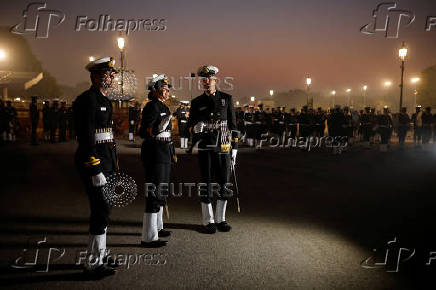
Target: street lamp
348,91
415,81
271,93
387,85
402,53
308,83
237,103
2,54
364,88
121,44
252,99
333,94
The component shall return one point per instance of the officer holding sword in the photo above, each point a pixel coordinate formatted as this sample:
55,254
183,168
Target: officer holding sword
212,118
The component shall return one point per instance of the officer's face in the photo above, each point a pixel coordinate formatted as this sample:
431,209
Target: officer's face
165,93
108,78
103,79
209,83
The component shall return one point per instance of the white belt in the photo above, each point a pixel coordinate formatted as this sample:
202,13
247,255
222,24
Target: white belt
104,137
165,134
183,121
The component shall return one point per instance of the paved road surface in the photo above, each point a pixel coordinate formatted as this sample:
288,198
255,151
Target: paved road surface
308,220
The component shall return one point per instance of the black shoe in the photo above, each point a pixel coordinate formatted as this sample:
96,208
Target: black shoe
164,234
154,244
210,228
223,227
110,262
99,273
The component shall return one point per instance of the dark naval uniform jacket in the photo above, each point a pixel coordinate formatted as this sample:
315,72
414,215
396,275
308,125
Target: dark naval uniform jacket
210,109
154,150
93,119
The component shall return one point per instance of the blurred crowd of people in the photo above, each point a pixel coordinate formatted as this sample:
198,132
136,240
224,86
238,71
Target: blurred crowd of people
57,122
368,126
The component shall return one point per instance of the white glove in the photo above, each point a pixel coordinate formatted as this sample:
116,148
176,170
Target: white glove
99,180
199,127
234,152
164,123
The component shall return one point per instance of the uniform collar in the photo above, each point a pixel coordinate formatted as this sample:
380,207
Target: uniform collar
97,90
214,94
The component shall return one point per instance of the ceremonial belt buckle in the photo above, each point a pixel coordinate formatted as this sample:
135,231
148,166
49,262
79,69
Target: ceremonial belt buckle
104,135
164,136
225,148
163,139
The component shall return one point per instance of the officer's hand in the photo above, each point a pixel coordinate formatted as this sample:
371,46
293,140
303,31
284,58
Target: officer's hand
165,122
234,152
198,128
99,180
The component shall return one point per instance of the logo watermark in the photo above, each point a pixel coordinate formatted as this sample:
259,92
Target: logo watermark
107,23
306,143
178,190
181,83
37,19
42,258
387,18
394,256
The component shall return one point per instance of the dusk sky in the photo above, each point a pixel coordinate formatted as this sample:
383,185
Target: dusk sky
263,45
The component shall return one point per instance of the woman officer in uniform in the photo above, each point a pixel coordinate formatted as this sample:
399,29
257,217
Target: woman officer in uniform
157,153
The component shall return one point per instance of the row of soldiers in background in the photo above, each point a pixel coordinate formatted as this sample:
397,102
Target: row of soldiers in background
55,119
356,126
8,122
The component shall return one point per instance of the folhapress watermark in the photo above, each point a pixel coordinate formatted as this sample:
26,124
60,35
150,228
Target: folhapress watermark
37,19
306,143
387,18
107,23
40,258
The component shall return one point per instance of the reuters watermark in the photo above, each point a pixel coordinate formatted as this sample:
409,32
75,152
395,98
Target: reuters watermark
164,190
195,83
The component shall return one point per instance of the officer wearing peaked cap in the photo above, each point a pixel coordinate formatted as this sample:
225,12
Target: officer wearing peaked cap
96,158
385,125
182,117
157,154
212,117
